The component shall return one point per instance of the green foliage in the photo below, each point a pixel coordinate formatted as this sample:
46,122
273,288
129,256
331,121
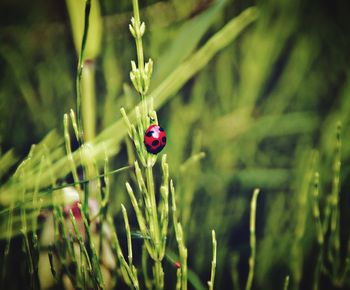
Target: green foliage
250,97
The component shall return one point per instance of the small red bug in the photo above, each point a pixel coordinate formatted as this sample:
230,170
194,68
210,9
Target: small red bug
154,139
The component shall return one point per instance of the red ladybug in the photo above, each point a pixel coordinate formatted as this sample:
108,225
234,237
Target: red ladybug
154,139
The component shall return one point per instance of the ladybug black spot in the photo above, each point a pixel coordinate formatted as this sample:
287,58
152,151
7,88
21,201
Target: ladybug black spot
155,143
149,134
158,149
164,139
161,129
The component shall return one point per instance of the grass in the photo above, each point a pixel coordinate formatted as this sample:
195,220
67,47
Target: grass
250,97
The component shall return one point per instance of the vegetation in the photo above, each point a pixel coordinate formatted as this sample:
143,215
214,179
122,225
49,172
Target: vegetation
249,192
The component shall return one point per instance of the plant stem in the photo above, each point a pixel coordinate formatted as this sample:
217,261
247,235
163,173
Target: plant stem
319,231
89,100
128,234
252,240
79,106
286,283
180,240
69,149
213,263
159,275
80,125
148,282
80,69
334,240
151,192
138,39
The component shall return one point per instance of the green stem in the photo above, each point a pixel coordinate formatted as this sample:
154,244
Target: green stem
148,282
69,149
319,231
128,234
286,283
156,235
252,240
135,6
79,119
213,263
80,69
78,94
138,39
180,240
151,192
9,230
144,112
334,245
104,203
159,275
89,101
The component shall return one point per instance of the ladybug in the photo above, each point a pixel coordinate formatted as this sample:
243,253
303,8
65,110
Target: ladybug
154,139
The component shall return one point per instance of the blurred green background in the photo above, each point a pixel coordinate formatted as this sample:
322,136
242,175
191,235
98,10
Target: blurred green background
258,110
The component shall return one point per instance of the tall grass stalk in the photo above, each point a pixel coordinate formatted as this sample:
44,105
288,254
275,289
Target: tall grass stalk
213,263
252,239
140,76
182,272
67,139
319,230
86,216
327,226
286,283
152,215
30,238
334,242
78,88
